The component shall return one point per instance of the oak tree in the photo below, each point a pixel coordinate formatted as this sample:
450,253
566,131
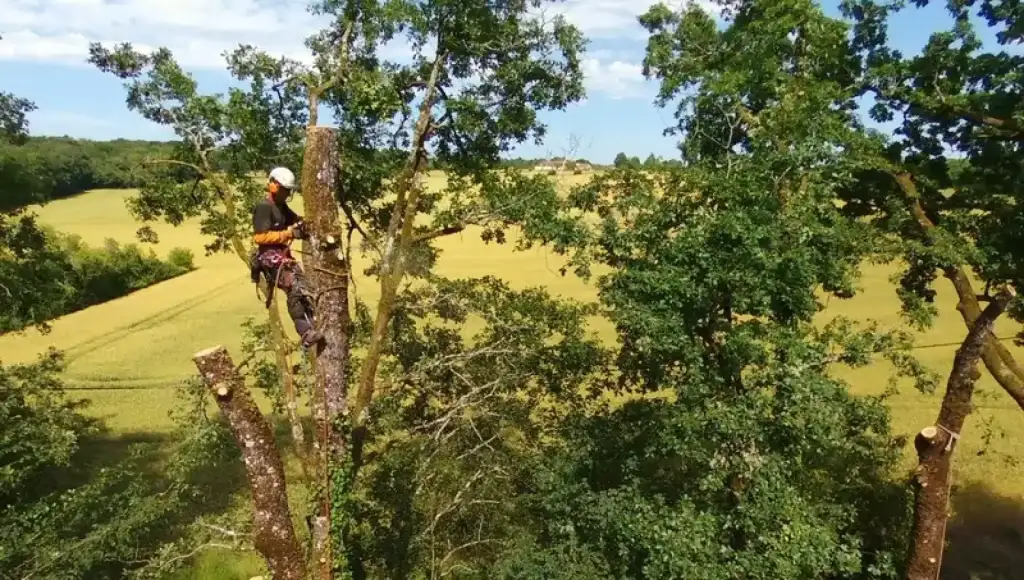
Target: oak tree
755,461
479,74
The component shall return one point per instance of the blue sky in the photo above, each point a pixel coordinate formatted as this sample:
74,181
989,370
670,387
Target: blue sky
44,46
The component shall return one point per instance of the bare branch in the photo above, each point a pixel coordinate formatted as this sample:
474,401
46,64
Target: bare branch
192,166
354,224
438,233
224,531
169,563
458,549
454,504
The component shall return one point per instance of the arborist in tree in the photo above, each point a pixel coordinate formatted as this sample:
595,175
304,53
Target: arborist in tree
275,225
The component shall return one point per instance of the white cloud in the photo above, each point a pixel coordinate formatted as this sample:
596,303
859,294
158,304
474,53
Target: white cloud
199,31
617,79
615,19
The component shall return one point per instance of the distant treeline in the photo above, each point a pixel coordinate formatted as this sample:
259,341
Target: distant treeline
61,274
47,168
526,163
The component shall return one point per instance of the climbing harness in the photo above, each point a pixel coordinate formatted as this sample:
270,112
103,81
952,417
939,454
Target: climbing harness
275,260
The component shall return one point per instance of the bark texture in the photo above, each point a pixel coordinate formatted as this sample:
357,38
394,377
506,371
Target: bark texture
997,358
274,534
326,270
935,445
329,278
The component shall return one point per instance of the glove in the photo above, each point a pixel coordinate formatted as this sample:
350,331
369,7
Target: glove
298,231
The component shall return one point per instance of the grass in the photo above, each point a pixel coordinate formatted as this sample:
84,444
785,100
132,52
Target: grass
128,354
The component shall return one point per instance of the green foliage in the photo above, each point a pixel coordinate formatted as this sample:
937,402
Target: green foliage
181,259
224,138
72,511
46,274
47,168
34,274
463,421
102,274
77,503
958,111
13,124
41,429
756,463
496,455
713,302
622,161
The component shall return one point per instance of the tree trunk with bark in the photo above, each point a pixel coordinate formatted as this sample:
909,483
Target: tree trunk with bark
328,275
935,445
326,270
274,534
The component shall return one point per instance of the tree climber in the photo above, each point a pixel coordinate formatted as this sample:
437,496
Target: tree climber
275,225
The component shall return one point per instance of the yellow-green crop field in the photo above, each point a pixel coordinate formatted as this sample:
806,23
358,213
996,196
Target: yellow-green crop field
127,355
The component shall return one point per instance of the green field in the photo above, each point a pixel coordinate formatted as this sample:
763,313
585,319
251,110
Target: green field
127,355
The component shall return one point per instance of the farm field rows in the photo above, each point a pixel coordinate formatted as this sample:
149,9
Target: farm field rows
127,355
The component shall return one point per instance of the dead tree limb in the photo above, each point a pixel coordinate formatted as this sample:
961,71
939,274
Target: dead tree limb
935,445
273,533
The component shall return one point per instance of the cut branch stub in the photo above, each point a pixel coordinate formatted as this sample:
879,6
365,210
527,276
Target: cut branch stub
274,535
221,390
925,439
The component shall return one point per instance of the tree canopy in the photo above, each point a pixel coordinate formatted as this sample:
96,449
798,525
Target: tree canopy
710,438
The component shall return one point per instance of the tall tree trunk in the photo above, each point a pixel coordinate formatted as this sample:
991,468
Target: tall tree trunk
935,446
329,277
274,534
997,358
327,271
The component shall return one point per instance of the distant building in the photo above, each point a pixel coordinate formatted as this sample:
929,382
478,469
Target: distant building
546,165
559,164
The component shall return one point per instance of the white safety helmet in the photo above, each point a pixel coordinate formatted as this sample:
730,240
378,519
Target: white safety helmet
283,176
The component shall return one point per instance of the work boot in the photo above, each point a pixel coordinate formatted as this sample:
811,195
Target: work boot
311,337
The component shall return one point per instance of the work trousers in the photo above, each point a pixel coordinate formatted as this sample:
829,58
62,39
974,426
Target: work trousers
289,278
